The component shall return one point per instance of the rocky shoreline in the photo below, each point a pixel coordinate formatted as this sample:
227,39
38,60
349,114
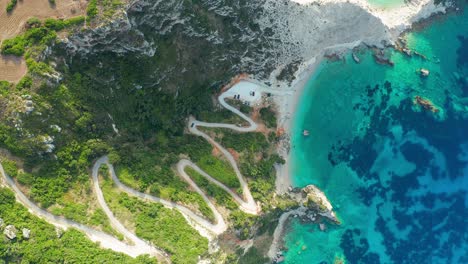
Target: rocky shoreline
313,207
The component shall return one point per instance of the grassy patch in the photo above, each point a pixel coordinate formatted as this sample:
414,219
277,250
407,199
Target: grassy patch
164,227
220,170
252,142
269,117
150,171
221,197
39,34
221,116
91,9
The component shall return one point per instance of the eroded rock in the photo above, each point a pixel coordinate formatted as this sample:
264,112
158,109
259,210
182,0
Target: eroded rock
26,233
10,232
316,203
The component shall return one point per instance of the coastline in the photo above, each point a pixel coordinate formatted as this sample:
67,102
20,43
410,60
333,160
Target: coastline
287,111
288,105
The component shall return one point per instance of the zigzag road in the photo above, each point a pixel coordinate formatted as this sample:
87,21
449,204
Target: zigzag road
138,246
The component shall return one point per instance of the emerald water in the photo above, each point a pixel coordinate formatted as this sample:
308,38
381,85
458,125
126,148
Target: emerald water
386,3
397,174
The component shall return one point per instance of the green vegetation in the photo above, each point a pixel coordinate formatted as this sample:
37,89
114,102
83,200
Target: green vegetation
218,116
241,106
5,88
220,170
44,246
92,9
257,159
11,5
105,7
146,169
252,256
100,90
221,197
269,117
38,34
252,142
164,227
25,83
59,24
74,206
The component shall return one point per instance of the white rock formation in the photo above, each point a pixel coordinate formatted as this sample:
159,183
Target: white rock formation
10,232
26,233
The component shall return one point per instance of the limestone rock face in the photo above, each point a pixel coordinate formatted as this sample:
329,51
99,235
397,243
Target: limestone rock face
10,232
26,233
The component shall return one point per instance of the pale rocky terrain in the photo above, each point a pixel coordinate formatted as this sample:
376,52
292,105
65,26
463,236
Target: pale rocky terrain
259,37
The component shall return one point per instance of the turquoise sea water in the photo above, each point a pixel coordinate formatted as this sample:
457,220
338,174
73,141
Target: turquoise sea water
396,174
386,3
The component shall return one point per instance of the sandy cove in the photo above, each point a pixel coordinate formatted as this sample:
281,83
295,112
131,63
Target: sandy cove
397,21
286,106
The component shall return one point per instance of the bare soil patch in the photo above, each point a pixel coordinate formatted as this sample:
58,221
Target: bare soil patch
12,68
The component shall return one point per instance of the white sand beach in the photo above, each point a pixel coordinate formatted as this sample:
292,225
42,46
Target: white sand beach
312,28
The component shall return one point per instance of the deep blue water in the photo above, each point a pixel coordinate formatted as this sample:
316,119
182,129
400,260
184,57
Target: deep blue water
397,174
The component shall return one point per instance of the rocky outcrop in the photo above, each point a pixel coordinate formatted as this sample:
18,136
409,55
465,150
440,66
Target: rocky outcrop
426,104
382,58
424,72
26,233
10,232
315,202
118,36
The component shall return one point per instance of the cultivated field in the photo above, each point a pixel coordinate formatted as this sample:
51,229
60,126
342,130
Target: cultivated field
11,24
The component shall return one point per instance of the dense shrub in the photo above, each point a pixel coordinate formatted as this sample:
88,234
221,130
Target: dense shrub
11,5
15,46
268,116
25,83
38,33
92,9
4,88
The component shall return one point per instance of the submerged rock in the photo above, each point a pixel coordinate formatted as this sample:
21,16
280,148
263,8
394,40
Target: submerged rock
10,232
381,58
356,58
426,104
322,226
407,51
424,72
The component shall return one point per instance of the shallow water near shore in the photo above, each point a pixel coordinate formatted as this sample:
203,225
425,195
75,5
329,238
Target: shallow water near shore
387,4
396,173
